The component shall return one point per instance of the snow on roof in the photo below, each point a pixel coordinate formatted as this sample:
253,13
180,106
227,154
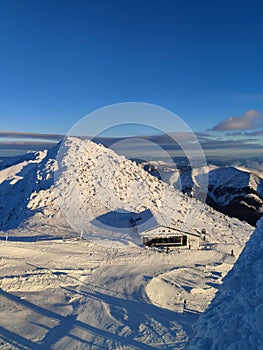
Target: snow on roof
146,221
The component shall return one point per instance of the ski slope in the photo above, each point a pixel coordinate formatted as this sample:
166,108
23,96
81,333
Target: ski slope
76,294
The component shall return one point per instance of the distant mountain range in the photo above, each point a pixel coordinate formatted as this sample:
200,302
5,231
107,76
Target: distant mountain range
235,191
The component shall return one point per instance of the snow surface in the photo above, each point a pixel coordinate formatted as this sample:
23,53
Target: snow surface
104,182
233,190
75,294
58,291
220,180
234,319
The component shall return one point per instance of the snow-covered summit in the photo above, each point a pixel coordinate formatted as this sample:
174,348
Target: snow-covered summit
95,180
91,181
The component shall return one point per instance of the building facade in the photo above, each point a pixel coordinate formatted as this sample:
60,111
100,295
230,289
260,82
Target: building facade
162,236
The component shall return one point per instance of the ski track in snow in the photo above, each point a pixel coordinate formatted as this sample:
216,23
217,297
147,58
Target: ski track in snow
79,295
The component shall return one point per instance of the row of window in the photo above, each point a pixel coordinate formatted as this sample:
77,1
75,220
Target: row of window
174,240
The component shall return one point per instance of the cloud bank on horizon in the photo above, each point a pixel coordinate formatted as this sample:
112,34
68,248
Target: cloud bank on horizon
243,133
231,144
251,119
30,135
19,142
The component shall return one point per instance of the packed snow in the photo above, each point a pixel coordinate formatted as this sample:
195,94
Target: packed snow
75,294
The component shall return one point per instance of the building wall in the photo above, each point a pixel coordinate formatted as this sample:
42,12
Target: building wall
192,241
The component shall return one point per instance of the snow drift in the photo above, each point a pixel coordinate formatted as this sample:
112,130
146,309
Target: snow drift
234,319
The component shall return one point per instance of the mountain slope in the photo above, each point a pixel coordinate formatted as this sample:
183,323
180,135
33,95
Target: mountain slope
234,191
19,182
93,180
234,318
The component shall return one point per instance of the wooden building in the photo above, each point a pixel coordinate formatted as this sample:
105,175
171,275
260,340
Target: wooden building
155,232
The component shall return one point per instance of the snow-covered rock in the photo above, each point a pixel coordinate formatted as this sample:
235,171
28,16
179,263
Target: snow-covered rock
234,320
233,190
22,179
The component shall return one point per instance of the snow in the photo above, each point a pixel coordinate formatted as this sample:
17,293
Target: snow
234,320
105,182
224,183
58,291
77,294
233,190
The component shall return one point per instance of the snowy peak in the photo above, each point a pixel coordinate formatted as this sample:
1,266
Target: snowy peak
236,192
105,182
92,181
234,177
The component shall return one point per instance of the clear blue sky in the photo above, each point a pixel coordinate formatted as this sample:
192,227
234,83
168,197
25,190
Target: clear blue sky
63,59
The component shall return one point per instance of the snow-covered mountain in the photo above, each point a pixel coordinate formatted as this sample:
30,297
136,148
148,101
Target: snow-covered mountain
77,294
21,180
234,318
92,181
235,191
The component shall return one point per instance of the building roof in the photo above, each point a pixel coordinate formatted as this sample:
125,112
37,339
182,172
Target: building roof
146,221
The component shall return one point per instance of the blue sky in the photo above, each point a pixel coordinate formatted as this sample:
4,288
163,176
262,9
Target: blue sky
61,60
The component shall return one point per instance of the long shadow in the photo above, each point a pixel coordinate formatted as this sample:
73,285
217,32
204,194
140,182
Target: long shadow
139,312
144,308
53,334
6,162
30,238
17,195
192,311
73,323
18,341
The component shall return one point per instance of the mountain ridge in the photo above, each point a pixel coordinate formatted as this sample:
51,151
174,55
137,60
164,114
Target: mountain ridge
232,190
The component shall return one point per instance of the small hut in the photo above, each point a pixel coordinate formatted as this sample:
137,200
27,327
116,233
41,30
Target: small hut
155,232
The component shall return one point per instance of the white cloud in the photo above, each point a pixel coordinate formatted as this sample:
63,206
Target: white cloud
251,119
